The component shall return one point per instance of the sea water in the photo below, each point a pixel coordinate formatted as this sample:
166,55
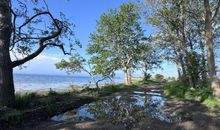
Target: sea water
33,82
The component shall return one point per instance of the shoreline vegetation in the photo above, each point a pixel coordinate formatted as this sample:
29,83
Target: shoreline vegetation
33,107
180,32
181,92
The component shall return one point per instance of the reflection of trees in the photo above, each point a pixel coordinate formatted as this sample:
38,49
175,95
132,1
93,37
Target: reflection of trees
129,110
122,110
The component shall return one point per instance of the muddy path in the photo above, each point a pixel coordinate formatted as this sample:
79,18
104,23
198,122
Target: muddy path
142,108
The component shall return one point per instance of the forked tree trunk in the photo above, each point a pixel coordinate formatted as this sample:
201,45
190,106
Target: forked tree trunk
210,57
7,96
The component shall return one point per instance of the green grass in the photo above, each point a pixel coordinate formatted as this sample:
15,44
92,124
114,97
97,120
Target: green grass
212,102
203,93
31,100
110,89
105,90
13,117
24,100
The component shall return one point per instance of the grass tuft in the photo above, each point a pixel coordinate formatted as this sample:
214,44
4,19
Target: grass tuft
24,100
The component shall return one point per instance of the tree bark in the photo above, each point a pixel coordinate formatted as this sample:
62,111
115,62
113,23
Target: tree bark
204,75
184,42
178,70
7,95
128,76
210,55
180,57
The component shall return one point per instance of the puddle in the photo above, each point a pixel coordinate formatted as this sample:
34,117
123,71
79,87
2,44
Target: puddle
127,110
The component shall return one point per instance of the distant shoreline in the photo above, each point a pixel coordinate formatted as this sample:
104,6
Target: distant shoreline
32,83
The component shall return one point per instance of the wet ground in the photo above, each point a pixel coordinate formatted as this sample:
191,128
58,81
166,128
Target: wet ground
126,110
138,108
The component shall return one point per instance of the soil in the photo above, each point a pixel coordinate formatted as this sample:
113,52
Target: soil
195,116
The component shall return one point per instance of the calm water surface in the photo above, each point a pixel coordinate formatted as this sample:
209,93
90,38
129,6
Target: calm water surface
31,82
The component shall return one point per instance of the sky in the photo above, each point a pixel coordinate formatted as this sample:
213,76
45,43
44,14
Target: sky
84,14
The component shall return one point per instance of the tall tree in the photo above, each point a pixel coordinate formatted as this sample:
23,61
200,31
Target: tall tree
177,29
209,20
117,39
196,26
27,28
150,57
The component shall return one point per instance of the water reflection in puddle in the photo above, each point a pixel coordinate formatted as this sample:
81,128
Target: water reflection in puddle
127,109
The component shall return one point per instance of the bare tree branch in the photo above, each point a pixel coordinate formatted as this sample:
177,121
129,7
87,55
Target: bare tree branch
39,50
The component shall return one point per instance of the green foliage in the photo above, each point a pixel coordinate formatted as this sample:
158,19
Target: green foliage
159,77
212,102
202,93
13,117
146,76
75,64
115,44
52,93
170,79
175,89
106,90
24,100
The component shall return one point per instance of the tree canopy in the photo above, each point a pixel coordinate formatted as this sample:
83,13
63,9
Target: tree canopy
115,44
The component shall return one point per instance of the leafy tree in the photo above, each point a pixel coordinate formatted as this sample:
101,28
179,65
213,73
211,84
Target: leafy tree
77,63
186,29
159,77
115,44
150,57
27,28
210,19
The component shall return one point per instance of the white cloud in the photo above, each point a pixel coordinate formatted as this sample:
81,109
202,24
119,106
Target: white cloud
42,64
47,57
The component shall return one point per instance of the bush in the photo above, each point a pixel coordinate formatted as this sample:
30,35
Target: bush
202,93
146,76
159,77
212,102
175,89
24,100
170,79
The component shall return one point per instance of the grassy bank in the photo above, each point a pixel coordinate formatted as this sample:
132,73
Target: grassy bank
36,99
203,94
37,106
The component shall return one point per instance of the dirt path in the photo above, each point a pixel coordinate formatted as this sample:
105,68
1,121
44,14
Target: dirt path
195,116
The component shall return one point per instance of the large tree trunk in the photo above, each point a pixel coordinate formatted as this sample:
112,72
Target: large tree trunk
128,76
210,56
7,96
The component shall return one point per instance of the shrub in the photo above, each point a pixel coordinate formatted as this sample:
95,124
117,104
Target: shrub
175,89
24,100
159,77
202,93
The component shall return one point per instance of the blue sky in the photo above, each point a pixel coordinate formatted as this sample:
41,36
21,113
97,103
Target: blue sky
84,14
